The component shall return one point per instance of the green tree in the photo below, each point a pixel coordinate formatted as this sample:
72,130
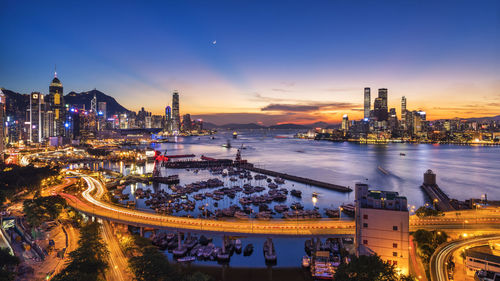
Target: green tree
152,265
41,209
366,268
7,265
89,261
197,276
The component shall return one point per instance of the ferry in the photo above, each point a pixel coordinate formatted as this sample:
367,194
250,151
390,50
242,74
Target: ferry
235,135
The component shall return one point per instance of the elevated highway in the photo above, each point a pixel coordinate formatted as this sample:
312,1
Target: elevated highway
92,204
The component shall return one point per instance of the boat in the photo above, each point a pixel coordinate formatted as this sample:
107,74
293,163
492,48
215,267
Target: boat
306,261
186,259
208,251
384,171
235,135
348,209
269,251
296,193
402,154
180,251
237,245
227,144
248,250
321,267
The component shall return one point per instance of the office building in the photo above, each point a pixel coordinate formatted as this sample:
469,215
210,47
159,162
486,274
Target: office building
102,109
176,117
403,113
382,225
35,124
168,119
345,123
382,94
2,125
367,104
56,105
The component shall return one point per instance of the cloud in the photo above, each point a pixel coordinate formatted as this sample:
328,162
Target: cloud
308,107
282,90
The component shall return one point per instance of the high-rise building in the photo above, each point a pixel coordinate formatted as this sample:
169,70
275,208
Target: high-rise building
102,109
35,118
2,125
393,119
403,113
56,104
382,226
382,94
377,109
345,123
168,119
186,122
176,117
367,104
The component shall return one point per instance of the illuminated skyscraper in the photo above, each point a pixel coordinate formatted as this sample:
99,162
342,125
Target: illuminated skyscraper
56,103
35,117
403,113
382,94
345,123
168,119
176,117
2,125
367,103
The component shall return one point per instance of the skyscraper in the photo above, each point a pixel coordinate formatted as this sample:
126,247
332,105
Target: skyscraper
404,123
35,117
2,125
367,103
168,119
382,94
176,117
377,109
345,123
56,103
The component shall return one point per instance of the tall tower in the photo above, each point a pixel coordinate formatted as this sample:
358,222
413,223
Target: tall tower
35,117
382,94
2,125
168,119
56,101
176,117
403,112
367,103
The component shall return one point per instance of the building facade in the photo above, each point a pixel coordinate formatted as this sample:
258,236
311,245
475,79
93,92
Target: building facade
367,103
382,226
176,117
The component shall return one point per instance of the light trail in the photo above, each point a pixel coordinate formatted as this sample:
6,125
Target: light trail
442,254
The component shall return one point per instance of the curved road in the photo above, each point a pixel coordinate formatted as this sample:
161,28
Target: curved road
441,256
91,204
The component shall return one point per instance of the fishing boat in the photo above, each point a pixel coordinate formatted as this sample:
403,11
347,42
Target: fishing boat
237,245
402,154
248,250
186,259
348,209
269,251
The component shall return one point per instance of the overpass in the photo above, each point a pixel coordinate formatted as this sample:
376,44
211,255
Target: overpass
91,204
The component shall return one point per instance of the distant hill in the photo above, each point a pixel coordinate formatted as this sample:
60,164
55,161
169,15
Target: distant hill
482,119
242,126
84,98
289,126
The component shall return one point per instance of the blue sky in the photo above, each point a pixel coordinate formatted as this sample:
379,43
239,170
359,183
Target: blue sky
324,53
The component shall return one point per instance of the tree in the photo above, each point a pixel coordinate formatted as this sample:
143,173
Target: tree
7,264
366,268
89,261
43,209
152,265
198,276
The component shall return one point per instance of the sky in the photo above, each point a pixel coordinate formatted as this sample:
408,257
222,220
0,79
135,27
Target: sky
260,61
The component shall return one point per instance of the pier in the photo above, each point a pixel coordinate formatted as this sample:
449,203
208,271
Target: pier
303,180
440,200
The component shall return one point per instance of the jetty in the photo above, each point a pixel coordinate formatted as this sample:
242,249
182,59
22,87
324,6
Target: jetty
440,200
303,180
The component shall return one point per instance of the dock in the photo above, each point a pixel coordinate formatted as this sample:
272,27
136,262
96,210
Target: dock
303,180
442,201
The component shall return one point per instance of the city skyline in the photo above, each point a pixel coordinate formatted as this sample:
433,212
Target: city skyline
310,66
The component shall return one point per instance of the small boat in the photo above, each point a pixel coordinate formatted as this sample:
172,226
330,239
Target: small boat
348,209
227,144
296,193
248,250
237,245
269,251
186,259
306,261
402,154
180,251
235,135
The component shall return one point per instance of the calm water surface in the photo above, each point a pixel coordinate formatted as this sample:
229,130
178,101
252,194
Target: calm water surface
462,171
